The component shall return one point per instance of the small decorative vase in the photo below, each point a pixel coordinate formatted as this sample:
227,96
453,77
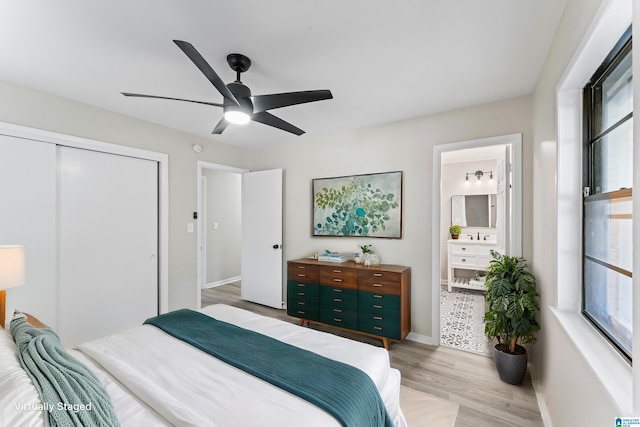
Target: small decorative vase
358,257
367,258
455,236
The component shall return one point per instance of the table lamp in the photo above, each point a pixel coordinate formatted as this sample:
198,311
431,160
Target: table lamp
11,273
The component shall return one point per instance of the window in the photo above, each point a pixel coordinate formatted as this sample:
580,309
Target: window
607,206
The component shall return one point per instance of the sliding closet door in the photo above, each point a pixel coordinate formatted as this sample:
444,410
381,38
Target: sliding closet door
108,243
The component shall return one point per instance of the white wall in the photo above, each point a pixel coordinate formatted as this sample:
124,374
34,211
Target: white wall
571,392
406,146
28,107
223,210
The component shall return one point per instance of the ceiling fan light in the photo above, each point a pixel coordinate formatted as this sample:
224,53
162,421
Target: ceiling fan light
237,117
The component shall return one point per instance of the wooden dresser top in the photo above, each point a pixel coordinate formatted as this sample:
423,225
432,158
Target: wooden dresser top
352,264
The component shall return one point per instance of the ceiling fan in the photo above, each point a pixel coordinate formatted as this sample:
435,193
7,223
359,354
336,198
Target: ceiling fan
238,104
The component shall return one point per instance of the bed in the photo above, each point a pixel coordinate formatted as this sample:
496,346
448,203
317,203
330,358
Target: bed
155,379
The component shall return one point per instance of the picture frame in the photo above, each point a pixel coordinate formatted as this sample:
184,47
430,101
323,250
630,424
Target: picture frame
367,205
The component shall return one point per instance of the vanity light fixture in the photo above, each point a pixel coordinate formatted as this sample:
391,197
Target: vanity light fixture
478,174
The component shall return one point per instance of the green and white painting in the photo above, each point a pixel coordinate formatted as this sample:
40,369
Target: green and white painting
358,205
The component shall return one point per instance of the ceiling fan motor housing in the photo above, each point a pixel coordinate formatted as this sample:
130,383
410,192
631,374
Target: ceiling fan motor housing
243,95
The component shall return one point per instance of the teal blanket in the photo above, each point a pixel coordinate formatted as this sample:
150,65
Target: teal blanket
69,392
346,392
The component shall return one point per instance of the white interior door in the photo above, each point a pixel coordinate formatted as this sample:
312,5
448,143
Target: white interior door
108,243
262,237
503,211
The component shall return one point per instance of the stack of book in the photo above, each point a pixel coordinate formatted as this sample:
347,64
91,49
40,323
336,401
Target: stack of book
335,256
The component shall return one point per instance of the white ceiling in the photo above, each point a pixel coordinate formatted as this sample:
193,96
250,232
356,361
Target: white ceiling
383,61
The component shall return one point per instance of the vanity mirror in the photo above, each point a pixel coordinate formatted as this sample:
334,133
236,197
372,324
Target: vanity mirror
474,210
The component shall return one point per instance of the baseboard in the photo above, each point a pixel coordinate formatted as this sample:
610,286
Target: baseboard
542,405
423,339
222,282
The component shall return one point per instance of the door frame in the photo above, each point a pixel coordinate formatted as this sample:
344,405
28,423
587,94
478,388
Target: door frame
515,141
45,136
200,229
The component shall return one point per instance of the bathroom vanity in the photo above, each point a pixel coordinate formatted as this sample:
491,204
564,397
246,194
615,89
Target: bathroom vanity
464,254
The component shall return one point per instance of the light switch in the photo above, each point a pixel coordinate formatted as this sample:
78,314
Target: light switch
215,225
189,227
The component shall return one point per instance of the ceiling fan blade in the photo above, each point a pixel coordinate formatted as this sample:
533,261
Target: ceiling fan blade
139,95
271,120
278,100
206,69
221,126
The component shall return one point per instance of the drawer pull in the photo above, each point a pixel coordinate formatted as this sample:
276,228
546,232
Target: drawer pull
337,320
464,249
377,318
377,285
377,328
301,303
337,310
302,275
302,267
337,271
337,300
464,260
377,296
302,293
337,290
302,285
377,274
337,280
377,306
302,312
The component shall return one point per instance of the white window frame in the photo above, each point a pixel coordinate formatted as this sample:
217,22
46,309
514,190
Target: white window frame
617,377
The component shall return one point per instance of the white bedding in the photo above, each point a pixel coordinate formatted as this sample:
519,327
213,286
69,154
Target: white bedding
155,379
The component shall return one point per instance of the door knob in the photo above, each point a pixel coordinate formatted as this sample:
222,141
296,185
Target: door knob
276,246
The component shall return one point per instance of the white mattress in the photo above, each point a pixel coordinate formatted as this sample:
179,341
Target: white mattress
154,379
174,383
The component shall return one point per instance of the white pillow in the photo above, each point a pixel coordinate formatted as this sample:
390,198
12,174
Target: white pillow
19,401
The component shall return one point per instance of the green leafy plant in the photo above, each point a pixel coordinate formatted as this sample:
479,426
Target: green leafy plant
513,302
357,209
455,229
366,249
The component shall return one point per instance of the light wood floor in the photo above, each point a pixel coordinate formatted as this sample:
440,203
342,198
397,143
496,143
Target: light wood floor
465,378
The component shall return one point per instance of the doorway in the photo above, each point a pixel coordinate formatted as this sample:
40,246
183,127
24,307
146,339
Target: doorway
473,152
218,225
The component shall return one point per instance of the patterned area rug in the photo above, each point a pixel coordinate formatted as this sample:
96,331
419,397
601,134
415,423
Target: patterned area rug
462,320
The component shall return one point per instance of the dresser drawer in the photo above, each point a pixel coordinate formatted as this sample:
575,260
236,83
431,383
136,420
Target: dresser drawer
379,281
379,303
344,318
385,326
303,272
303,290
339,277
309,310
339,297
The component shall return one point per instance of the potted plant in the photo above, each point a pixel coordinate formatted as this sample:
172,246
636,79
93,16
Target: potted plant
455,231
512,301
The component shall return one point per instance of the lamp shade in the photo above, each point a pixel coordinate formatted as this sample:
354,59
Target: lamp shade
11,266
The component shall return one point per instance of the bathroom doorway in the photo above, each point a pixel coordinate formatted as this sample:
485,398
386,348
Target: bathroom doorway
472,168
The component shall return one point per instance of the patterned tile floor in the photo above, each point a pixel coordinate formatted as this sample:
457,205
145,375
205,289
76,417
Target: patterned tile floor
462,320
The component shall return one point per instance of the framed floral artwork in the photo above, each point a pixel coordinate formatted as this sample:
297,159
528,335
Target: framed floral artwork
367,205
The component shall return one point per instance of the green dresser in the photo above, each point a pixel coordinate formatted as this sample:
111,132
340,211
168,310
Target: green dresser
371,300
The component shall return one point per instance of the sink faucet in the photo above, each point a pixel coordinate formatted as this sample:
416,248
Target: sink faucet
470,236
